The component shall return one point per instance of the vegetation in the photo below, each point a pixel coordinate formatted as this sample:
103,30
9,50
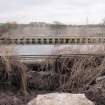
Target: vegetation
6,27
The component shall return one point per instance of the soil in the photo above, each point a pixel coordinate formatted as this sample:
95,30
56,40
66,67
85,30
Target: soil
16,98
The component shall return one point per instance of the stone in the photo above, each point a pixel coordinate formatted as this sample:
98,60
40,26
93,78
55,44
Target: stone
60,99
96,93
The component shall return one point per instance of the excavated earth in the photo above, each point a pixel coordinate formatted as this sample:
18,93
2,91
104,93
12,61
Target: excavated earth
77,74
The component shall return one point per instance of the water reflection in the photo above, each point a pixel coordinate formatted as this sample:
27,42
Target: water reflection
34,49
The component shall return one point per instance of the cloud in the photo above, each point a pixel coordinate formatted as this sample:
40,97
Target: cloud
67,11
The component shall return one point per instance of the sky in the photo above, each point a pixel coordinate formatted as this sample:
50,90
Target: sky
64,11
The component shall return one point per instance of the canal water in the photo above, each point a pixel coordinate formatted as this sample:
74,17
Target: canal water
51,49
26,49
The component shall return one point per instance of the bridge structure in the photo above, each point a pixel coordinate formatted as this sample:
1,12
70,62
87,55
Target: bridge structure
52,40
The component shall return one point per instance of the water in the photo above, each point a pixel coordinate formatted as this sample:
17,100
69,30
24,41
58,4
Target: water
34,49
27,49
50,49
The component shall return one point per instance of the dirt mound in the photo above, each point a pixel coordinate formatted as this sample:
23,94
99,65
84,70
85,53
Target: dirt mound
60,99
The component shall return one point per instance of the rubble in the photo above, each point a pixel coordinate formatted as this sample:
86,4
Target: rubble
96,93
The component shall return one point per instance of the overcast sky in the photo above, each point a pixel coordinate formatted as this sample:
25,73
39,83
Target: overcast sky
65,11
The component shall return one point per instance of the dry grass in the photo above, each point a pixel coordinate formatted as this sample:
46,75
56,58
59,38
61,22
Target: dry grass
74,73
14,62
81,72
21,69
